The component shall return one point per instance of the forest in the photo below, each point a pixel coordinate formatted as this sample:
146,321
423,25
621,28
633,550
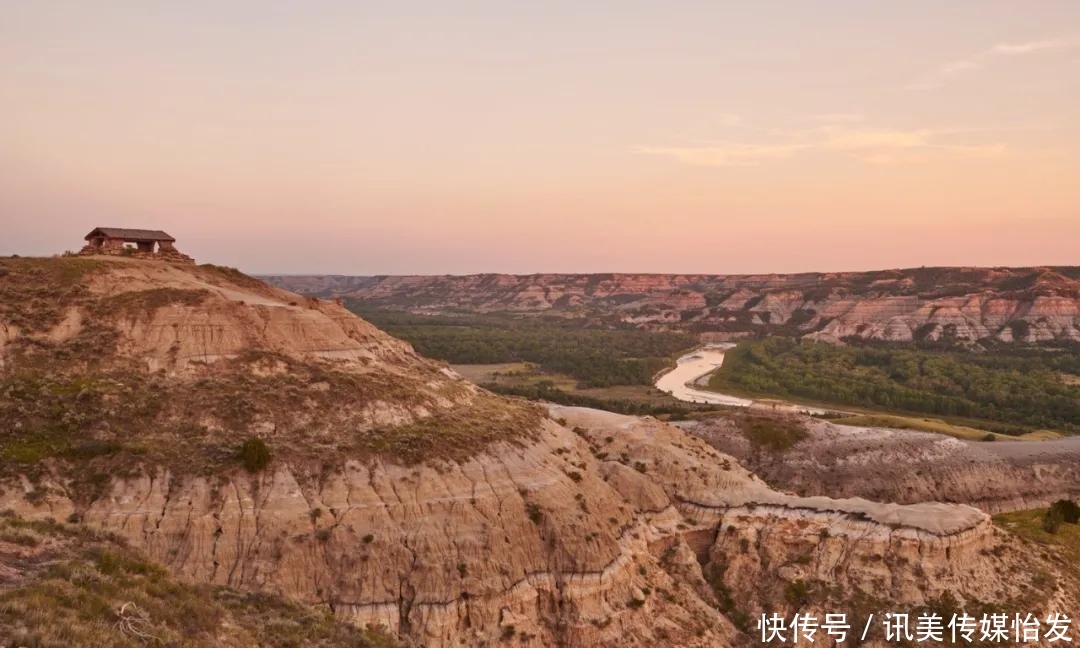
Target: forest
596,357
1021,390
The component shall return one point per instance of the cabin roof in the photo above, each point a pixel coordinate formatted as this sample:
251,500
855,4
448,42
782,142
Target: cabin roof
129,234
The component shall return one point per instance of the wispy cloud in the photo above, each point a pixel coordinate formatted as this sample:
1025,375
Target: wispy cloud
1010,49
871,145
940,76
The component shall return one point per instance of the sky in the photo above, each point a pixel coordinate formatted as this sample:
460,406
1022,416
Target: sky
434,137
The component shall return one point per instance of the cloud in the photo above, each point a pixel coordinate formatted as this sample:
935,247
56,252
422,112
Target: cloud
874,146
1012,49
945,72
897,146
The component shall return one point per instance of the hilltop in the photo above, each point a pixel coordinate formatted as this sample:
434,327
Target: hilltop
120,361
916,304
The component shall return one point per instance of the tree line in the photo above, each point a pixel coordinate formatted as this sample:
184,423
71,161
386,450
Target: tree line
597,357
1021,389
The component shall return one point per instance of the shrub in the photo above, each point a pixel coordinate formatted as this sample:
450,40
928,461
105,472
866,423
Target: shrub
255,455
1070,511
776,434
797,593
535,513
1052,520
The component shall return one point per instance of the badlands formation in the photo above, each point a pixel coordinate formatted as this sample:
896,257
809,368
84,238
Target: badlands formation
999,304
907,466
397,494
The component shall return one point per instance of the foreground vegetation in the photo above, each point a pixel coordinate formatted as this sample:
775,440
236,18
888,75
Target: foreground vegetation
923,424
1011,392
639,403
77,399
63,585
110,420
1061,536
595,357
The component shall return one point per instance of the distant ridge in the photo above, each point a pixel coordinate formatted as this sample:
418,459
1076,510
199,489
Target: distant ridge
966,304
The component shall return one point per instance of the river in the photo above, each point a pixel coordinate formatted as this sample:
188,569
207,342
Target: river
679,382
682,382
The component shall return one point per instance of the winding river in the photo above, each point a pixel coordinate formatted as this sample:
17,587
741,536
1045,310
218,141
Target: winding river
692,370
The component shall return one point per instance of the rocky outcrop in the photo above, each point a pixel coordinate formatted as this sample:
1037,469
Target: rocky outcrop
573,540
763,551
907,466
962,304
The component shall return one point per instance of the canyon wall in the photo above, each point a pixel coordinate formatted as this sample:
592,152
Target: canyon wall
962,304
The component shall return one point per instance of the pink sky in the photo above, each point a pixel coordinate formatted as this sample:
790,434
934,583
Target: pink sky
426,137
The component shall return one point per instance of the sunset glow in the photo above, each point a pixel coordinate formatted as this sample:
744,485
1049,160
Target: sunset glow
426,137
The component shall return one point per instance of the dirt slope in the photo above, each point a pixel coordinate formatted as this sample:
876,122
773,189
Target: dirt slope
907,466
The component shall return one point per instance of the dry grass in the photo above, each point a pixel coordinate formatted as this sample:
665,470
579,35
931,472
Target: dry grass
773,433
80,588
1029,525
79,403
489,373
116,420
143,303
939,426
923,425
35,292
226,276
455,434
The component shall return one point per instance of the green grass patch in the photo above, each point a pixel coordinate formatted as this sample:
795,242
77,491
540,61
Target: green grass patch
1030,525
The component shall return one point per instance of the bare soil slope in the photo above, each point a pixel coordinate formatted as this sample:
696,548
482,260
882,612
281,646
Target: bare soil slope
905,466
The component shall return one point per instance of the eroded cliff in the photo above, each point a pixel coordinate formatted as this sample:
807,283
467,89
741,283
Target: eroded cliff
961,304
394,493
